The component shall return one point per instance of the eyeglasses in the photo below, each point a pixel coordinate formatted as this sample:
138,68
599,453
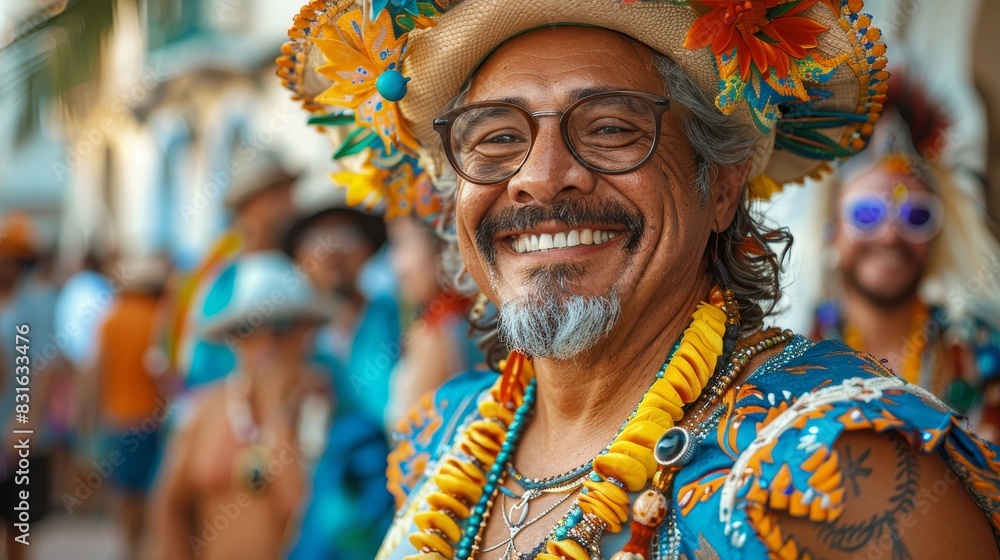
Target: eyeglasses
611,132
918,216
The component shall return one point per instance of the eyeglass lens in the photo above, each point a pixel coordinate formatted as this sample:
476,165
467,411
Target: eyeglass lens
610,133
917,219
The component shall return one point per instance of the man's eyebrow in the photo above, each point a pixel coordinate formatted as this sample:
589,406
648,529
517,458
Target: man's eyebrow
519,101
575,95
578,94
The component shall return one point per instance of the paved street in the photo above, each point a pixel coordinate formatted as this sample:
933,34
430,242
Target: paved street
76,537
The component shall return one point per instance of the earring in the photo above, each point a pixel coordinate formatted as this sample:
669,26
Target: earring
478,307
730,305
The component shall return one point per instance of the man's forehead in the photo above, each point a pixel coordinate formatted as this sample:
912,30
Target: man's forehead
576,60
573,95
884,180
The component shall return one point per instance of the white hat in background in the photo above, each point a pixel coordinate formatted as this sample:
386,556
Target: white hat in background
257,175
261,289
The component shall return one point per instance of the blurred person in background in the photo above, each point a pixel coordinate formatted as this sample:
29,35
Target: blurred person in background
80,309
131,406
339,248
22,302
43,289
259,201
437,344
917,275
236,470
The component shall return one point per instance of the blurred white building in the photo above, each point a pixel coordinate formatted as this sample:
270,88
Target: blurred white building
187,90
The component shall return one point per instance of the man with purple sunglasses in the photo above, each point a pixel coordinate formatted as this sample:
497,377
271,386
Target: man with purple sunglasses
916,269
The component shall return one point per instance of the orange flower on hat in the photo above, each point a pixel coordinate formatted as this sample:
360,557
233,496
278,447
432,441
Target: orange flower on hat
765,33
359,52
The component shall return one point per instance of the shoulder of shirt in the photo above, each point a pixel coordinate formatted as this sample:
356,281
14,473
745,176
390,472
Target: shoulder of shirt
428,428
780,427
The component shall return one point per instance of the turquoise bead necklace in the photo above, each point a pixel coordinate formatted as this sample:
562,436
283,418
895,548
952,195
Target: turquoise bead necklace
469,543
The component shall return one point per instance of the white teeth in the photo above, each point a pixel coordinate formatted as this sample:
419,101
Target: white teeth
529,243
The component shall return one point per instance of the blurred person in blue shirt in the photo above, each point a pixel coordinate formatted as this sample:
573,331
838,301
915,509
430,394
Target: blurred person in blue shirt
339,247
26,309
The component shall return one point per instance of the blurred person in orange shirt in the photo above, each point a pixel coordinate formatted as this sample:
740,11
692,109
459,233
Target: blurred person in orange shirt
130,403
917,272
236,470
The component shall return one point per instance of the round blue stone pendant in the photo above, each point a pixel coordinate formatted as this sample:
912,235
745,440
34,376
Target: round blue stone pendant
674,448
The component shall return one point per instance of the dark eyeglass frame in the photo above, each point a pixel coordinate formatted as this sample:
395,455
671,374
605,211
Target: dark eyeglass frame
657,103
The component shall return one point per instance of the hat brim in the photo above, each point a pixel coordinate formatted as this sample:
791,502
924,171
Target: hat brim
440,59
242,193
372,227
232,325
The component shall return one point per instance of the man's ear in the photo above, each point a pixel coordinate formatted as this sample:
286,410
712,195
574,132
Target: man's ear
727,192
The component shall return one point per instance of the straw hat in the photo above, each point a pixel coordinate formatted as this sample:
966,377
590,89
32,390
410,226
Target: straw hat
261,173
806,75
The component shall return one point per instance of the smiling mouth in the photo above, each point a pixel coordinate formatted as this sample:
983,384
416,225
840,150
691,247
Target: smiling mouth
538,243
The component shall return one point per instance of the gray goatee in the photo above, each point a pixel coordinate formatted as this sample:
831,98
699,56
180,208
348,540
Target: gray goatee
552,322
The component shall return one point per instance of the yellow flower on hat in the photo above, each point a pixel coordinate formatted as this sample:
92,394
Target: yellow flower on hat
365,187
363,60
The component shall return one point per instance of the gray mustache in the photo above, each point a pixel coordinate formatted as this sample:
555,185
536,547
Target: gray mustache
570,213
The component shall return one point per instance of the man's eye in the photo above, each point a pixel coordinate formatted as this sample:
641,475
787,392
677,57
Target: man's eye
503,138
610,129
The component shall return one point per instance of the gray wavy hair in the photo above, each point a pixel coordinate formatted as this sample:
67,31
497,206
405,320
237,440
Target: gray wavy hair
751,251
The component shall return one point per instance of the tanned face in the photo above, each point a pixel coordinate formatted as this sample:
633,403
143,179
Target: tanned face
659,228
883,267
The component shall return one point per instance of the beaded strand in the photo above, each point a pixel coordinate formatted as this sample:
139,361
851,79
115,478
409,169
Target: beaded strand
469,543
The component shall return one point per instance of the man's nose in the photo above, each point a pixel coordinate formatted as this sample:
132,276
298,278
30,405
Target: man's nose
888,233
550,170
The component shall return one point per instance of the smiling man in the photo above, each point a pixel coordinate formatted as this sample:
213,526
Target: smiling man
912,280
598,160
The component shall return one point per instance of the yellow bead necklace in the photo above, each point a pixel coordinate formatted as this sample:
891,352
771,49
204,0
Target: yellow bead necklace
468,477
